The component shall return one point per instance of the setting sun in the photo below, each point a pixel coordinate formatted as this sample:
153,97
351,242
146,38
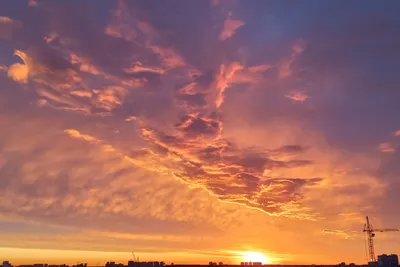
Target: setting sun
252,256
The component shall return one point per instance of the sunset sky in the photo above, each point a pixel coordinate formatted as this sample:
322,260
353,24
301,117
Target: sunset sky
192,131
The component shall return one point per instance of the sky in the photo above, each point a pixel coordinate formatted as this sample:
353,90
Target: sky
197,131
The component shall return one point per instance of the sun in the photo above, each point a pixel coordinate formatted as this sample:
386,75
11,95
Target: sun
251,256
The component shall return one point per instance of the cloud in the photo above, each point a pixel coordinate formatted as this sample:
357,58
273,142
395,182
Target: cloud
82,93
297,96
196,152
139,67
346,234
159,128
75,179
8,27
223,78
236,73
131,118
109,98
145,73
168,56
230,28
285,67
19,72
33,3
121,31
396,133
76,134
5,20
386,148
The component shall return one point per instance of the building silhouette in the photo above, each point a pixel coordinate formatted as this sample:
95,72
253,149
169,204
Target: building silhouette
388,260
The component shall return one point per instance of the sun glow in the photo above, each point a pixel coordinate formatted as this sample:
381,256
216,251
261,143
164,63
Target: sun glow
251,256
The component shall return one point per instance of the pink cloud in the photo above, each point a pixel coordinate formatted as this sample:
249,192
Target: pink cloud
168,57
131,118
386,148
8,27
33,3
3,68
5,20
285,67
139,67
224,76
396,133
123,31
230,27
214,2
235,73
297,96
51,37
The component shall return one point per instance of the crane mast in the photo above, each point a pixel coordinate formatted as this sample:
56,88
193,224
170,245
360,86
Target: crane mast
370,232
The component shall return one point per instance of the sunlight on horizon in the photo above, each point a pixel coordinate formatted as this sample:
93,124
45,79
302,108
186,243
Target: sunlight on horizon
252,256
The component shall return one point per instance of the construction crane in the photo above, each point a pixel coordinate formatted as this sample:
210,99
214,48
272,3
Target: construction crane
370,232
134,258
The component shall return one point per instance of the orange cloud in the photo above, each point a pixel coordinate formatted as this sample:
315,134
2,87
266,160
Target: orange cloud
82,93
76,134
66,88
346,234
20,72
230,27
199,155
109,98
60,98
139,67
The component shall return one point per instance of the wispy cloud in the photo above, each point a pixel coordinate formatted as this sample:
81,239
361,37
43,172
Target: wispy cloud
5,20
297,96
131,118
346,234
33,3
386,148
3,68
285,67
230,28
8,27
168,56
